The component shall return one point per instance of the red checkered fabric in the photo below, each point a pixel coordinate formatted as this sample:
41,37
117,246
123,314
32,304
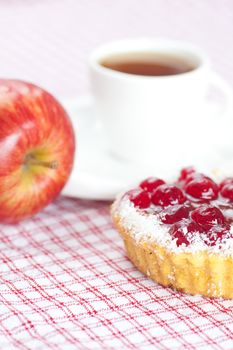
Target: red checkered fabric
66,283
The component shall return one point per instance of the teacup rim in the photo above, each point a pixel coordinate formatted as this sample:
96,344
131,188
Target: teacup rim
108,48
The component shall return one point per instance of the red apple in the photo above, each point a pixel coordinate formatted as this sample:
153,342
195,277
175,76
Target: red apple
36,149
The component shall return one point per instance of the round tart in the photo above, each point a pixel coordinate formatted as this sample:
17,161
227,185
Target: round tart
181,234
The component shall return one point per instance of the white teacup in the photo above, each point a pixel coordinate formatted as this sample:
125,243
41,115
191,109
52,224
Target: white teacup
159,119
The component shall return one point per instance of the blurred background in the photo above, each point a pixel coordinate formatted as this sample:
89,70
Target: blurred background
48,41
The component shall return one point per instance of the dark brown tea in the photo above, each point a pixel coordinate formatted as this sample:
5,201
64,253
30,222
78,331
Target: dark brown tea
148,64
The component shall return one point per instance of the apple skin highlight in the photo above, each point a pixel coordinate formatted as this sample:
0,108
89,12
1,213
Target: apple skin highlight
37,146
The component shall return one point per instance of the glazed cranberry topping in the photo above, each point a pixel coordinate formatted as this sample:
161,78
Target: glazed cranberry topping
185,173
197,216
202,188
166,195
174,214
140,198
208,216
194,176
151,184
178,234
194,227
227,192
216,235
227,181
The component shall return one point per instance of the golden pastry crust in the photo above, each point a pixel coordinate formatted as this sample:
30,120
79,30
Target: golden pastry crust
202,273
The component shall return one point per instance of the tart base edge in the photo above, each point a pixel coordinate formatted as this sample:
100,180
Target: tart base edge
210,275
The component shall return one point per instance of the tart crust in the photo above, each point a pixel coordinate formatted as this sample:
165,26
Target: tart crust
202,273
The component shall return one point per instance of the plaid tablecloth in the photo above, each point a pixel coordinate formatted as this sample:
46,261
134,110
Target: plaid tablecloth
65,282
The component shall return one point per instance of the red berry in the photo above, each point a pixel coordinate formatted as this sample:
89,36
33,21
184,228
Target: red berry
194,227
178,234
151,183
227,181
194,176
202,188
140,198
185,173
174,214
191,175
166,195
227,192
187,231
208,216
216,235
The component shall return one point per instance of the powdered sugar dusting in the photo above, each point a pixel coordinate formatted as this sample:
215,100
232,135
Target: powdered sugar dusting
142,225
147,227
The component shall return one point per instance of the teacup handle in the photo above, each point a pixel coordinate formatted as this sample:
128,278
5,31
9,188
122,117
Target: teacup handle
220,84
227,113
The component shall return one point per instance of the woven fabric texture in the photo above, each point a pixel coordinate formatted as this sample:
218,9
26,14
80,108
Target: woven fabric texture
66,283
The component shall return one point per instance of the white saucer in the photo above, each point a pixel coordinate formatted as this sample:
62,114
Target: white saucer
96,173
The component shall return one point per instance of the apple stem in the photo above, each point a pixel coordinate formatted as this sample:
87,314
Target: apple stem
30,159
